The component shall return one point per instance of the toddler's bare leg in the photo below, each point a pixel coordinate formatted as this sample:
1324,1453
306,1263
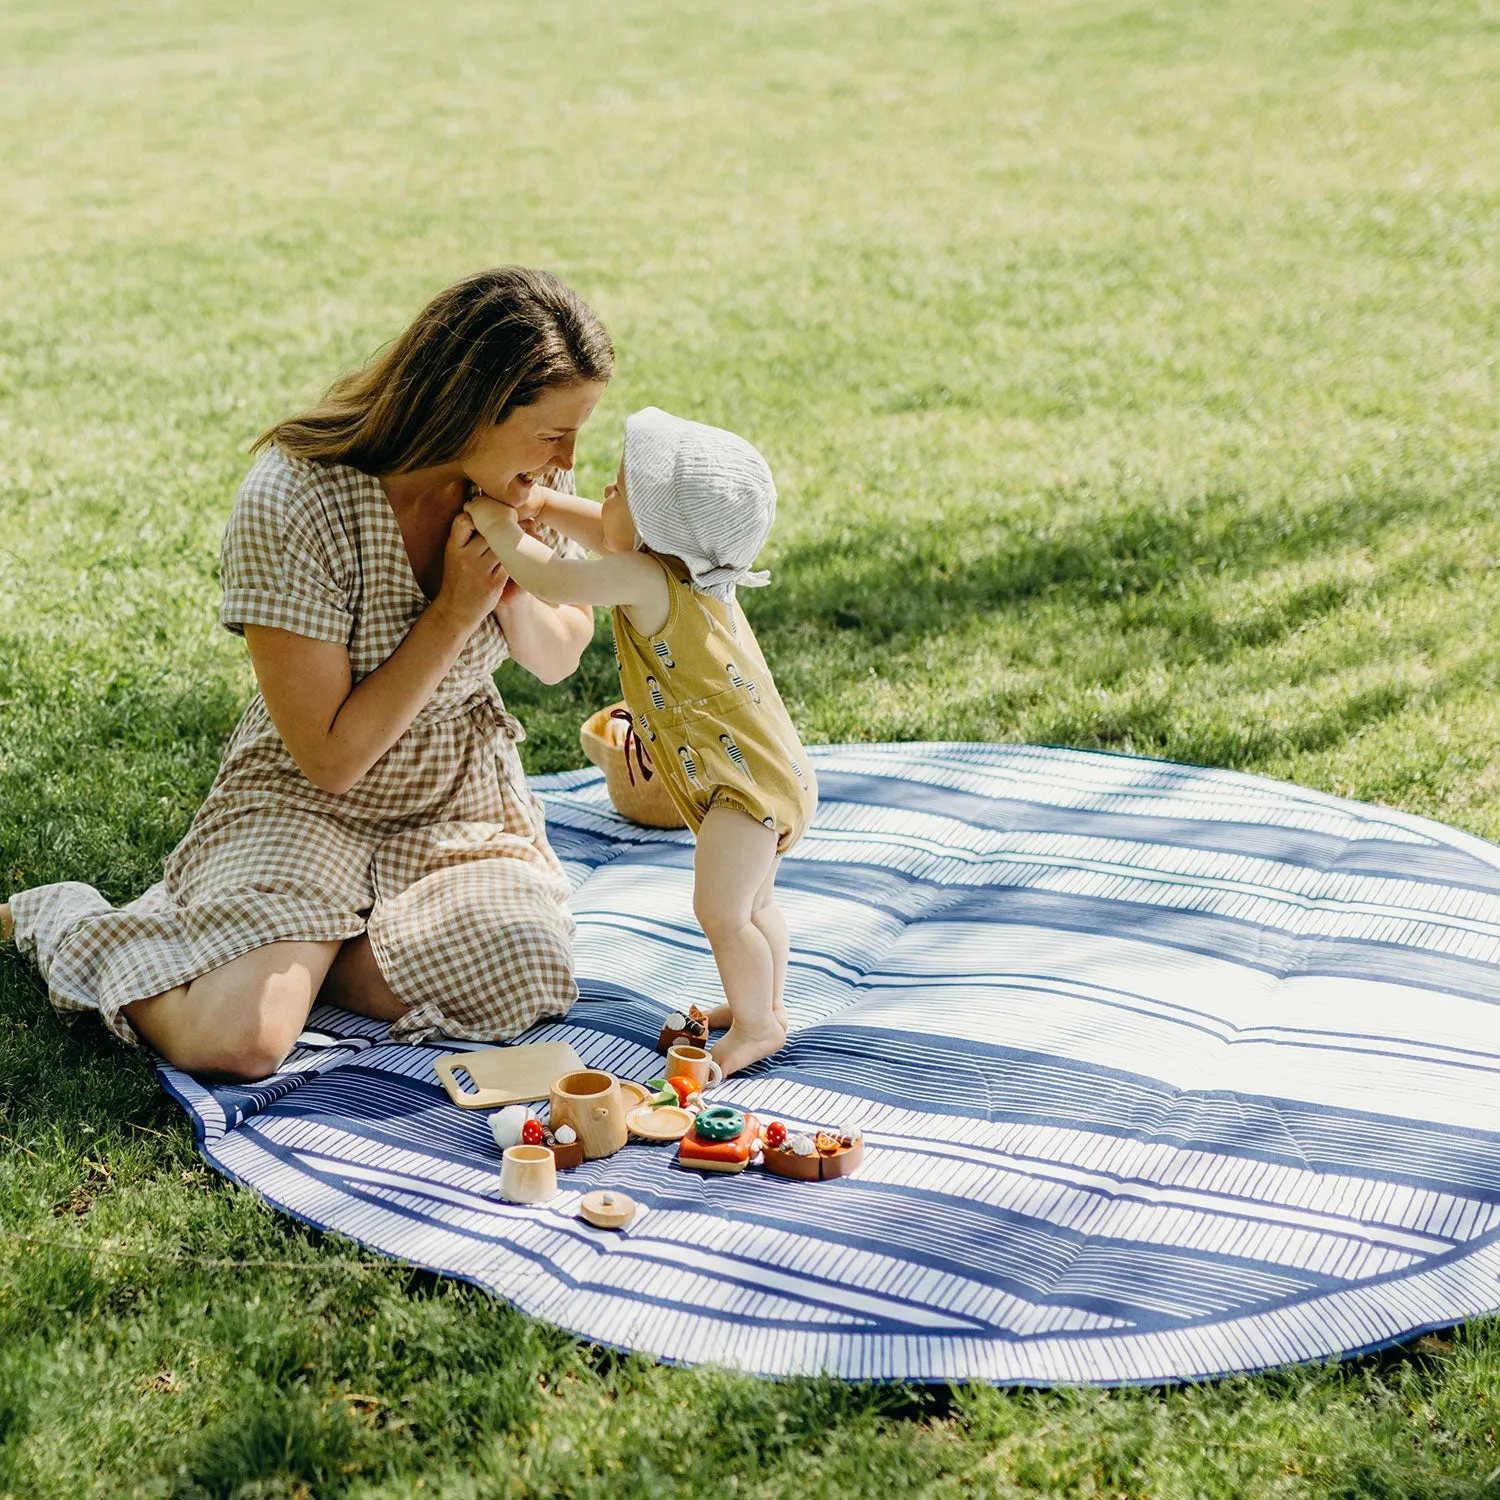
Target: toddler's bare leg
734,858
768,918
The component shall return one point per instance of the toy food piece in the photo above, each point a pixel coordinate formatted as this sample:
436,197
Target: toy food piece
607,1210
532,1133
669,1123
692,1028
507,1126
566,1148
722,1139
813,1158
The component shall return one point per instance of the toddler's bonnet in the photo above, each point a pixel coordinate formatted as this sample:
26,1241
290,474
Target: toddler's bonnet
701,494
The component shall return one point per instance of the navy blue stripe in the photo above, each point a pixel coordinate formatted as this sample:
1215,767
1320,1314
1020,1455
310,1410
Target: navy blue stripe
1245,943
1370,856
985,1081
1026,1257
368,1194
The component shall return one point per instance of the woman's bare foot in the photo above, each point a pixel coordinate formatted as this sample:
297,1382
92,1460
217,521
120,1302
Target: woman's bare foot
743,1044
8,925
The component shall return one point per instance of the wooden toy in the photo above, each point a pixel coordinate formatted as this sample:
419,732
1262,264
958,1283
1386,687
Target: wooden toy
607,1210
566,1148
609,740
527,1174
691,1028
687,1061
532,1133
633,1094
591,1102
505,1075
668,1123
722,1139
811,1158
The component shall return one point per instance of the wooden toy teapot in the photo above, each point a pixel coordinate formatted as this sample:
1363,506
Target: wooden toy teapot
591,1102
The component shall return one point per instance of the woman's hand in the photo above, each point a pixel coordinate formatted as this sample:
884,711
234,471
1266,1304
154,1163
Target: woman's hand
473,577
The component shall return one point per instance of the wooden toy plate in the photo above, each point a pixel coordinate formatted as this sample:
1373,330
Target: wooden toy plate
669,1123
634,1095
506,1075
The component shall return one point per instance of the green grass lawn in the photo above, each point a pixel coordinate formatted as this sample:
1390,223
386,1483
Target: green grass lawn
1130,378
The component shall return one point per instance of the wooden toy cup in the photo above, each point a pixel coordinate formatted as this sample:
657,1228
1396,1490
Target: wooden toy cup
687,1061
591,1102
528,1174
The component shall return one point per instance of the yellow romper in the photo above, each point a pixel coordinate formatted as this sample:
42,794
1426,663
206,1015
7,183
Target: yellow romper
714,726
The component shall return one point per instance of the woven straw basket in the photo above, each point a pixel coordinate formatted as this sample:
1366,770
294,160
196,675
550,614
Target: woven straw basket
642,801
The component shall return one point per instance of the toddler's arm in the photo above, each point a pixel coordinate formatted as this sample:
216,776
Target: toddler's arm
630,579
572,516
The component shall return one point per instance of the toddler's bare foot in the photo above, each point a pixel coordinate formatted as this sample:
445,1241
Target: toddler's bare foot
721,1016
8,924
744,1044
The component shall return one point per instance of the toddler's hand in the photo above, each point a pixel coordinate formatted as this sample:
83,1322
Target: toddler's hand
525,497
473,577
502,522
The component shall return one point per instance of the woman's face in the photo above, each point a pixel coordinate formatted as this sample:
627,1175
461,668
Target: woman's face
619,528
531,440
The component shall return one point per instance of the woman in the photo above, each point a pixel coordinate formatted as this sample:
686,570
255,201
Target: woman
369,839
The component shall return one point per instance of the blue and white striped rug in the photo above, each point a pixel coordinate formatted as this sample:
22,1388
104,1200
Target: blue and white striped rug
1165,1072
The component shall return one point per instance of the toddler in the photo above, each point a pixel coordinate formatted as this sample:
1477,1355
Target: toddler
689,509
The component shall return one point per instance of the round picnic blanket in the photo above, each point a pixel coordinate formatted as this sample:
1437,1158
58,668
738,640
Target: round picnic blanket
1163,1073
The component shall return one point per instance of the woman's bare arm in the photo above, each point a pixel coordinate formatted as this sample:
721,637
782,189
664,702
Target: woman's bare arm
335,730
548,640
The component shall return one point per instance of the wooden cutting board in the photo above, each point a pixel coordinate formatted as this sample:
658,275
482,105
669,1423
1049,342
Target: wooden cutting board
506,1075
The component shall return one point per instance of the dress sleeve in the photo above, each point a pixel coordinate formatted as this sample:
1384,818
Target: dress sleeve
279,563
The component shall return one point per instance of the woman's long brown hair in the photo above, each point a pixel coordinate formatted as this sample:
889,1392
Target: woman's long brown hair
485,346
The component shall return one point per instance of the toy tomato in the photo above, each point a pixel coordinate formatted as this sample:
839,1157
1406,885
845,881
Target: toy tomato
775,1135
684,1088
532,1133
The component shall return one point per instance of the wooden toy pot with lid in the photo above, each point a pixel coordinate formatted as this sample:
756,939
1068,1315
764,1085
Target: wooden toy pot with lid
591,1102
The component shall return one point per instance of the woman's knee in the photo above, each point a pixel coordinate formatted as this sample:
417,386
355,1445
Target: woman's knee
240,1021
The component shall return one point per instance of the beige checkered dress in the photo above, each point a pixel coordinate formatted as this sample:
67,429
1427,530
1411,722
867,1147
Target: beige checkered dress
439,851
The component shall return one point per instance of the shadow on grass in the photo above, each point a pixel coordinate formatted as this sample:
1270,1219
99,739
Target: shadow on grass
891,579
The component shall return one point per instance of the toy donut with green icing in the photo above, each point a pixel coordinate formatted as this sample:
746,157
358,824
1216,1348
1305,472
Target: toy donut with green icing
723,1139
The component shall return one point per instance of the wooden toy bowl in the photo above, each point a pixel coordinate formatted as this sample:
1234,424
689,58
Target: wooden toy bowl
592,1103
635,798
528,1174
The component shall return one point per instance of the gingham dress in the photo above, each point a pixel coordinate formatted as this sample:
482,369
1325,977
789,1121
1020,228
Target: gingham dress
438,852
